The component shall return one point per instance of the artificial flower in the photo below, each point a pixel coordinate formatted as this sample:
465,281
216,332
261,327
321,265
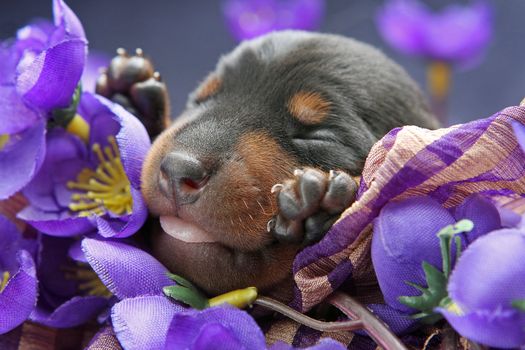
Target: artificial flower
252,18
18,282
456,34
39,72
487,290
405,237
90,178
70,293
145,318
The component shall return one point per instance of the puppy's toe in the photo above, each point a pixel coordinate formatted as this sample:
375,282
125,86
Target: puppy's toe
309,204
341,192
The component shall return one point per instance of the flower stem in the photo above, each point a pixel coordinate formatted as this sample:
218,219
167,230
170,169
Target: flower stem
362,319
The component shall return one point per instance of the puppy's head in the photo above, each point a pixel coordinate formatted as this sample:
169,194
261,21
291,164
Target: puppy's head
283,101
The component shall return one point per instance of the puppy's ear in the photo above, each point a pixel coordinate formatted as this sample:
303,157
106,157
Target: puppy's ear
210,86
309,107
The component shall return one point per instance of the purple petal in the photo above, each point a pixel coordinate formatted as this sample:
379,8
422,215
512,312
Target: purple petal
401,23
53,268
59,224
405,236
211,336
75,252
509,219
18,298
143,322
501,329
490,273
125,270
398,322
124,226
10,239
16,115
9,57
95,61
73,312
66,18
459,33
21,159
482,213
132,139
65,158
50,80
231,328
249,19
34,36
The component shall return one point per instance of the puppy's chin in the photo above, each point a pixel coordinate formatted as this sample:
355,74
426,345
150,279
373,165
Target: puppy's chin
217,269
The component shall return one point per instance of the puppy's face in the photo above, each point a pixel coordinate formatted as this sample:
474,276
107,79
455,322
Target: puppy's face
274,104
245,128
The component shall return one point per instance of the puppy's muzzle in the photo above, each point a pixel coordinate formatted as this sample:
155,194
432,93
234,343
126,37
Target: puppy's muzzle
182,176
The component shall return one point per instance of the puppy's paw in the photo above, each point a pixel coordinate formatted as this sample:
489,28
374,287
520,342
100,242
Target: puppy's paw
132,82
310,203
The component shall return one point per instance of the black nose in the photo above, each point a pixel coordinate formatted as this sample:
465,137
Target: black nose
182,175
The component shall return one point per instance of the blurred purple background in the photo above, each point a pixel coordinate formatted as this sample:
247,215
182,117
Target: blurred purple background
185,39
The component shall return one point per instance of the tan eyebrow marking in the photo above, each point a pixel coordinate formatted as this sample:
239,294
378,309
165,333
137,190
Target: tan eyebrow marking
210,87
309,107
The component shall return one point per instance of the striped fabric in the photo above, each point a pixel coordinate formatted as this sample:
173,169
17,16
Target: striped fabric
447,164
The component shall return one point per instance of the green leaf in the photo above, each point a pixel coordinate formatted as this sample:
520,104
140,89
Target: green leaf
181,281
436,292
186,296
62,116
519,304
430,296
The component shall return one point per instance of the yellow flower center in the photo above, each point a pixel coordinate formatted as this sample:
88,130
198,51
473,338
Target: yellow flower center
89,283
4,138
3,281
105,189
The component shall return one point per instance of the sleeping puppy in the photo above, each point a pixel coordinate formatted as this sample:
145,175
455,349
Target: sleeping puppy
260,162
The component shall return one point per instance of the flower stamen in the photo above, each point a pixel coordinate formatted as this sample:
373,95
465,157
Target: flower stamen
89,282
105,189
3,282
4,138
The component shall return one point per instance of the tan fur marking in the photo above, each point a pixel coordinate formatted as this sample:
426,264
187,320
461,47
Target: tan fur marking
309,107
210,87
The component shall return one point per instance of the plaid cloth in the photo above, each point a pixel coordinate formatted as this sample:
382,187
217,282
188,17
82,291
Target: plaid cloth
447,164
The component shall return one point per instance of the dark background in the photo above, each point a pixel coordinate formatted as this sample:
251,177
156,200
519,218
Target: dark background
185,39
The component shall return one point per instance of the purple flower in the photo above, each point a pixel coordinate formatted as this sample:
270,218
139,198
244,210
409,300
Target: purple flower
70,293
405,236
487,290
39,71
457,34
145,319
18,283
248,19
90,178
224,328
